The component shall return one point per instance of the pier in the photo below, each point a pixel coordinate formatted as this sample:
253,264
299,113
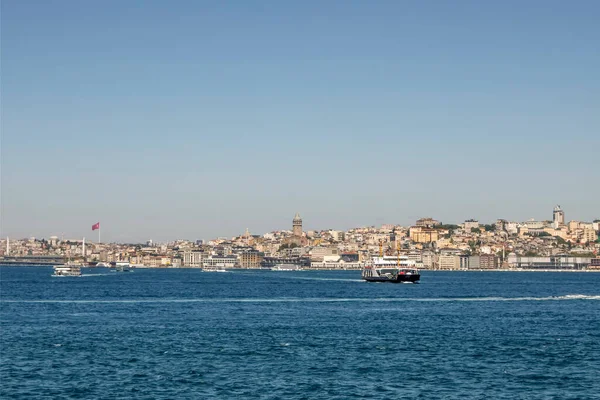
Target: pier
32,260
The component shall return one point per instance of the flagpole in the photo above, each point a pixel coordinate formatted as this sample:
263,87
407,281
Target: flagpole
98,235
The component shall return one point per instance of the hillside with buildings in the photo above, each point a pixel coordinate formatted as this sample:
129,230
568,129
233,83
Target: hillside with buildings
550,244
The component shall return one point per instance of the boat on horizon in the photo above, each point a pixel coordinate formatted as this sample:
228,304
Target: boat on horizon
392,269
103,264
122,267
286,267
213,269
69,269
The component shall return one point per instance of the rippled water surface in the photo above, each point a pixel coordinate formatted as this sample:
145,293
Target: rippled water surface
298,335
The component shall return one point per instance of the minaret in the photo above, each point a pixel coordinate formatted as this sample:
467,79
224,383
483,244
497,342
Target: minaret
297,226
7,246
83,250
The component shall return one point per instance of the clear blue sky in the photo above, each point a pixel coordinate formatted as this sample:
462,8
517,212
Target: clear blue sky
196,119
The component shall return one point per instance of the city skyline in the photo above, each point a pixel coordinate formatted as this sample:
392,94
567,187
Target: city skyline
207,119
429,243
91,235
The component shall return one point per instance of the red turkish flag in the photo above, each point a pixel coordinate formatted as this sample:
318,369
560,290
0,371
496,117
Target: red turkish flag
96,226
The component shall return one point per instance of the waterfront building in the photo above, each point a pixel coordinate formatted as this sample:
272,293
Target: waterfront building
335,262
447,261
429,259
488,261
250,259
32,260
464,261
194,258
415,256
450,261
470,262
270,262
552,262
216,261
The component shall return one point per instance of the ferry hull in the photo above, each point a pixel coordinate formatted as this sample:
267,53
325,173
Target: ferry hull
398,279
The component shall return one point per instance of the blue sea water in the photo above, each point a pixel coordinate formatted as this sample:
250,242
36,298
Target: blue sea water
180,333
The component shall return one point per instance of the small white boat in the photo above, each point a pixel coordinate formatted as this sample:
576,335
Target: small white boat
68,269
122,267
286,267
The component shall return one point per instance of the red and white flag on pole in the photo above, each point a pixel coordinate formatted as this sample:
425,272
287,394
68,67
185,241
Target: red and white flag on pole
96,226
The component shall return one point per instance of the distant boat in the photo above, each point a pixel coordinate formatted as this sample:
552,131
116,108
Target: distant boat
391,269
213,269
286,267
122,267
68,269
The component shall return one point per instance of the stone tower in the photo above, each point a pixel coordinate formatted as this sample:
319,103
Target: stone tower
297,226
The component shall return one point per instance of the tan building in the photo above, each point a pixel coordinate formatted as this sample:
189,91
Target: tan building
574,225
488,261
471,224
251,259
318,253
523,231
448,261
588,235
420,234
561,232
430,260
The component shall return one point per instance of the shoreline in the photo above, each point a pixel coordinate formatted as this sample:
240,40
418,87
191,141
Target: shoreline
334,269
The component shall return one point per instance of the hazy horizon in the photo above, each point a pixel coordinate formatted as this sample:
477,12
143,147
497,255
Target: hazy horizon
196,120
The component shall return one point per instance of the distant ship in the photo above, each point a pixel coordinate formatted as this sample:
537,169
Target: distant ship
393,269
213,268
68,269
287,267
103,264
122,267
